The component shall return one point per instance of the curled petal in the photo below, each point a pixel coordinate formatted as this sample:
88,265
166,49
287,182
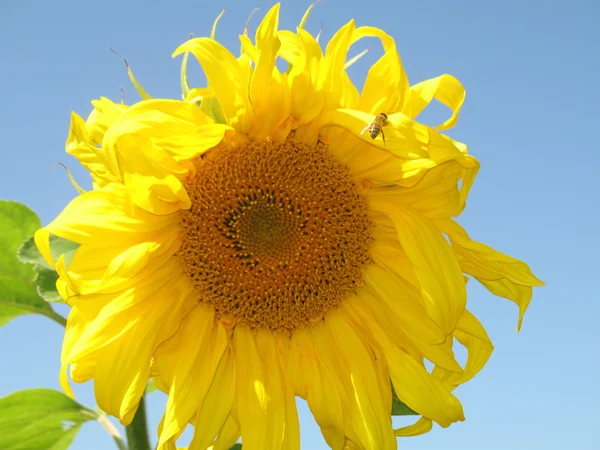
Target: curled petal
503,275
445,88
471,334
226,77
83,142
386,85
421,426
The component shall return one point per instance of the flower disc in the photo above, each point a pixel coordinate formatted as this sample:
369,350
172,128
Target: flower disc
277,234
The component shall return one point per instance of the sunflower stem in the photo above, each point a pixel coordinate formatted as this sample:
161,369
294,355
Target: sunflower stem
137,430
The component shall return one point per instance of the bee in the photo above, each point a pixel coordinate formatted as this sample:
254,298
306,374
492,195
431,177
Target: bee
376,127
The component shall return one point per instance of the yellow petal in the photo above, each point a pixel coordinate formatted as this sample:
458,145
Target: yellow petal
314,383
306,84
170,445
83,146
82,372
350,96
368,414
228,435
159,194
414,386
436,195
204,137
470,333
434,262
493,264
290,49
335,59
503,275
269,92
403,137
265,403
150,145
112,316
101,118
120,271
390,320
445,88
387,253
248,48
64,381
226,77
123,338
412,316
421,426
109,267
160,119
187,363
441,149
386,85
213,414
104,218
76,324
517,293
209,105
78,133
369,160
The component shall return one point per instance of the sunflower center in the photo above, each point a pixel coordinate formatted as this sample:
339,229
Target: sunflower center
276,236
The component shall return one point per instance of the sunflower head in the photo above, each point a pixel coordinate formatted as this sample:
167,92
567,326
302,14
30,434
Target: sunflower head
277,234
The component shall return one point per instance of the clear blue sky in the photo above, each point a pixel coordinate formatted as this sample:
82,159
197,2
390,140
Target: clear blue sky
532,74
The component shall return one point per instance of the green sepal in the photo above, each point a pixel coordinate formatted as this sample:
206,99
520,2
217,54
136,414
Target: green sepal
399,408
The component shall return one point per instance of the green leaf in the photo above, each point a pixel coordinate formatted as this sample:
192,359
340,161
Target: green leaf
18,291
399,408
40,419
17,222
45,281
29,253
236,447
46,276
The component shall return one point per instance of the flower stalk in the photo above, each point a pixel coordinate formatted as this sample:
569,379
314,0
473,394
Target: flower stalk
137,430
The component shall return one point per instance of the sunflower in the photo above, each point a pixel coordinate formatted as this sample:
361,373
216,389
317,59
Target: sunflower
251,243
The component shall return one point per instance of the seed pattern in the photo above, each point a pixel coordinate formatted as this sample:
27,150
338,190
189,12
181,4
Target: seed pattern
277,234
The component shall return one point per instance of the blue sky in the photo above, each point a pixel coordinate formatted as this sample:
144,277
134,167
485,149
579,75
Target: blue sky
531,72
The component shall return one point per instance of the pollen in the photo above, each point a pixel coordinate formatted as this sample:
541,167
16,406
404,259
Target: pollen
277,234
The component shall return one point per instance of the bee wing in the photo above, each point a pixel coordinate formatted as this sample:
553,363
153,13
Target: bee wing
365,129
